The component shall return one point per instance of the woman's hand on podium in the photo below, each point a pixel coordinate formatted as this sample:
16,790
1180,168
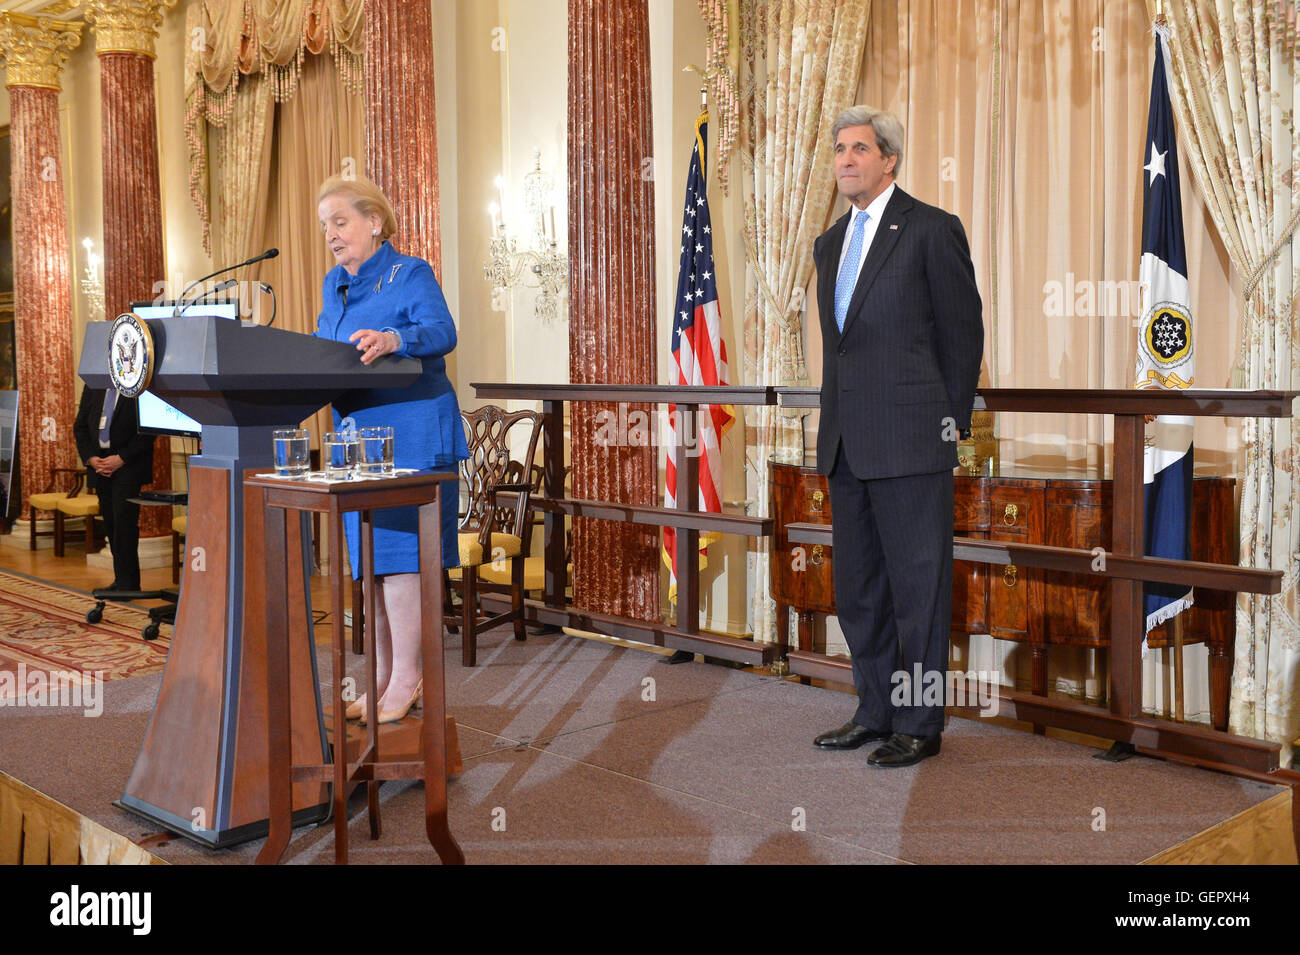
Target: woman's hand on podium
374,345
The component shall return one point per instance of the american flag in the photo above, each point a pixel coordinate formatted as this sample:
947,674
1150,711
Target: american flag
699,353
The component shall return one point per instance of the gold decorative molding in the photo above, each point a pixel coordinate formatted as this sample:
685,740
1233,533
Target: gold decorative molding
126,26
35,48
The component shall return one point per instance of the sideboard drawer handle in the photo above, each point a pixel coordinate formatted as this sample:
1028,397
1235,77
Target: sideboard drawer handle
816,557
817,498
1009,575
1009,515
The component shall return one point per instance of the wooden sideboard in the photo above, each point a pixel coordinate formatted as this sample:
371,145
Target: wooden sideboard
1041,608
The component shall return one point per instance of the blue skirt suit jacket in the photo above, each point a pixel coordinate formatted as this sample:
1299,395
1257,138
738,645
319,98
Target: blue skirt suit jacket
398,293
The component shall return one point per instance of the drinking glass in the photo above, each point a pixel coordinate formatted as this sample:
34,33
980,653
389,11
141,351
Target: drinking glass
376,450
339,452
292,451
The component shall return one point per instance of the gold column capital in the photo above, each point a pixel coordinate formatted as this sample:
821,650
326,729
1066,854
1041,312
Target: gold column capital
126,26
35,48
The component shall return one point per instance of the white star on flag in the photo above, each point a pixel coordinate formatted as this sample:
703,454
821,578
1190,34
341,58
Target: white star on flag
1157,164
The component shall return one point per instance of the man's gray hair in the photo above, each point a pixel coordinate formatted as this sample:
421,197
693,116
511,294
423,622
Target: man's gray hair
888,130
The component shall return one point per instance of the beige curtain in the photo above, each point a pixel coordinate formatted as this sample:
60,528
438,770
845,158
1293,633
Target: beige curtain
317,134
240,154
801,64
1027,118
265,42
1235,84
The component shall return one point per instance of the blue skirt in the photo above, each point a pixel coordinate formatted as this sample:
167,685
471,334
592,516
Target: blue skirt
417,444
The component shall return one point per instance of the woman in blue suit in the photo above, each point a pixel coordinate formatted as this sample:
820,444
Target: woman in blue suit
391,304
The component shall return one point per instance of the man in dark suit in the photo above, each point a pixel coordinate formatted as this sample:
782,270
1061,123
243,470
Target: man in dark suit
902,341
120,460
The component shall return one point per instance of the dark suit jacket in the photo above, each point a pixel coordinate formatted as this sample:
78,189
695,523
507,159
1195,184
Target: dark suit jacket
124,435
910,353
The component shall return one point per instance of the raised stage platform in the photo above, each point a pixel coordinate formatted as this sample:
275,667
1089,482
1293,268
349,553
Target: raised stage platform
572,756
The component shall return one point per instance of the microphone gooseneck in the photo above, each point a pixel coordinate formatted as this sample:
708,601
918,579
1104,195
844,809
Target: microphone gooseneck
180,303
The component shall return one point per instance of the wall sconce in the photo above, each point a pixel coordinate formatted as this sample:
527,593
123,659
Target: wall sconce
505,265
92,282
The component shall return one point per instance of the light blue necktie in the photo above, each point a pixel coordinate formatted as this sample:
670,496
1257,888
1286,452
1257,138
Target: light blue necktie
849,270
110,405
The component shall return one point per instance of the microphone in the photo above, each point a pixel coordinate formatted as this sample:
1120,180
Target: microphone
217,289
180,303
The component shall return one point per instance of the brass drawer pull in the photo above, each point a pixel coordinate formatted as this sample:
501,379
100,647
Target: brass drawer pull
817,498
816,557
1009,515
1009,575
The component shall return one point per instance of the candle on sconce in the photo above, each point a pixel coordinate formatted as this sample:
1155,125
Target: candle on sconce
493,209
500,183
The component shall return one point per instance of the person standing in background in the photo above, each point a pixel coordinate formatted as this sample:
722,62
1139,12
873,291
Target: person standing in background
120,461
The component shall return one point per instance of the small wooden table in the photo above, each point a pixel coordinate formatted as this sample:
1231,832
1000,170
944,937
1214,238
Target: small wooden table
279,496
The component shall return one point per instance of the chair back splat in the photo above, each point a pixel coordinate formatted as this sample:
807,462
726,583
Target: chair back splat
495,530
490,468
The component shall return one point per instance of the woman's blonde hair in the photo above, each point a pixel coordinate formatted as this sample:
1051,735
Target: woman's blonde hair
365,197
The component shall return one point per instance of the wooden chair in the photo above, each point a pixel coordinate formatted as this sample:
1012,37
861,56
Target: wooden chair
64,483
85,506
495,532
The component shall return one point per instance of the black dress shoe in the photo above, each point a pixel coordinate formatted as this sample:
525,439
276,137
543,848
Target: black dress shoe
903,750
849,736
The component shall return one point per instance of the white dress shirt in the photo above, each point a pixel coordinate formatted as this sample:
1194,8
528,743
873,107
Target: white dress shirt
875,209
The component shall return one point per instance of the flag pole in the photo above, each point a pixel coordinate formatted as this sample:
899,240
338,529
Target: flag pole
1174,631
704,90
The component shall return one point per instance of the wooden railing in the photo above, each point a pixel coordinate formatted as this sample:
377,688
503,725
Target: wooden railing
1125,567
555,506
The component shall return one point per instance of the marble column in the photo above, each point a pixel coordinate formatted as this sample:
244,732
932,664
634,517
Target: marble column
133,241
612,295
35,50
401,122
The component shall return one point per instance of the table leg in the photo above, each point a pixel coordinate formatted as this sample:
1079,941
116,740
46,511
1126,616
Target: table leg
279,745
434,728
372,691
337,546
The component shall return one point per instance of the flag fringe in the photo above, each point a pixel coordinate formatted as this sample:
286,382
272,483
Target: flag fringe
1168,612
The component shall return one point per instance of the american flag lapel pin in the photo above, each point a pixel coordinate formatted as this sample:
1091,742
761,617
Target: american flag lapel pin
894,226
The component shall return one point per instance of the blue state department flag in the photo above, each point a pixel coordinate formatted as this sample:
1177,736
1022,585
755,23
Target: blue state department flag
1164,358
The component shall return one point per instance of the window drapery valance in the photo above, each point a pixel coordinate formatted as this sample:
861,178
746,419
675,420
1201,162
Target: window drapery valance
266,39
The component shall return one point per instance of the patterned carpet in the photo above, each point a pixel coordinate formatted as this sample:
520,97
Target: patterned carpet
43,629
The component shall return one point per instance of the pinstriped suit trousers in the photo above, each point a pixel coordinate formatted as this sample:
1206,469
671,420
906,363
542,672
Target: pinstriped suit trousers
893,589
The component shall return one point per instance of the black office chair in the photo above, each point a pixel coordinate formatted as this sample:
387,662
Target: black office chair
157,615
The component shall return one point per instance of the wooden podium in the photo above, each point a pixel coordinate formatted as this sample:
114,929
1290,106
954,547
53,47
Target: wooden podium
202,767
